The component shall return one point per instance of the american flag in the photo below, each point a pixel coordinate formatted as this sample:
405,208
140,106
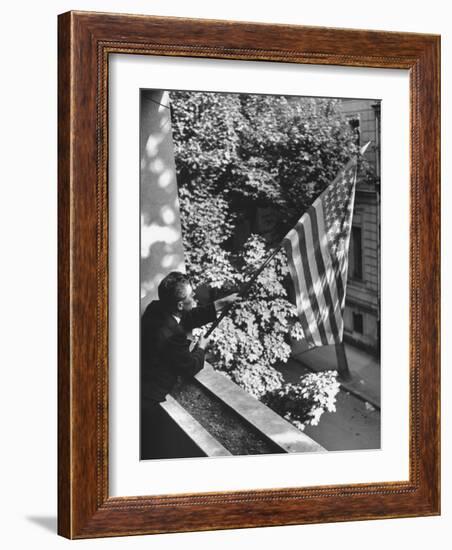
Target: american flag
317,251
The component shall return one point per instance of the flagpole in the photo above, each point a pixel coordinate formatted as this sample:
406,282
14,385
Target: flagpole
342,363
245,288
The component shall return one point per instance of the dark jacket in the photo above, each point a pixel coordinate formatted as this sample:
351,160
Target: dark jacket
165,351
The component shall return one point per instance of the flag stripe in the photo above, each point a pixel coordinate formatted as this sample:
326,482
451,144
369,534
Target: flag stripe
309,284
323,273
329,269
341,267
296,283
305,303
318,274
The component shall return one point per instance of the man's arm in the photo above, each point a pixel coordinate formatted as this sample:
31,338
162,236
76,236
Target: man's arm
184,361
199,316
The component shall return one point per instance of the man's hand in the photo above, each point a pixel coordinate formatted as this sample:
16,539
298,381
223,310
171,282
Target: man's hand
221,303
203,342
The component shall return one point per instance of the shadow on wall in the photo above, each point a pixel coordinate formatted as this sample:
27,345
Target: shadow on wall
161,237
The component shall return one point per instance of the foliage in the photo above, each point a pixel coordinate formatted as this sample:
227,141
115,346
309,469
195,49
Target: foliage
206,227
234,153
259,150
305,402
255,336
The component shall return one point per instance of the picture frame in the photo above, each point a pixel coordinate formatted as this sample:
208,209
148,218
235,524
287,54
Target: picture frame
85,508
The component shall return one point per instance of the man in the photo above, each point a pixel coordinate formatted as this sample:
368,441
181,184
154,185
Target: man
166,355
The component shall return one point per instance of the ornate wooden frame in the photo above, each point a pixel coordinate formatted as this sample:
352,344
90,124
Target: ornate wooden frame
85,42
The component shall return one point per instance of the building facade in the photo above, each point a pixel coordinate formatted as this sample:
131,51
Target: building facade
362,311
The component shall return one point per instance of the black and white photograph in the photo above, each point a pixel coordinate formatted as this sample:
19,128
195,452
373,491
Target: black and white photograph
224,236
259,274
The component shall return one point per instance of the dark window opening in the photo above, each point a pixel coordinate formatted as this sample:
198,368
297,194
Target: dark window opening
357,323
355,126
356,255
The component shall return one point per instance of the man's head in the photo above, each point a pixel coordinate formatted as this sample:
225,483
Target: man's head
176,293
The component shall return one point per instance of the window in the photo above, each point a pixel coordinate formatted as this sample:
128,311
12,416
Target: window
355,124
356,256
358,323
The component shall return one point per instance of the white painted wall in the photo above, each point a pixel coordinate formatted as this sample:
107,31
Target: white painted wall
28,276
161,240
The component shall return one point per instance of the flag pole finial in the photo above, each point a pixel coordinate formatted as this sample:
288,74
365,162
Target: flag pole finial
364,148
